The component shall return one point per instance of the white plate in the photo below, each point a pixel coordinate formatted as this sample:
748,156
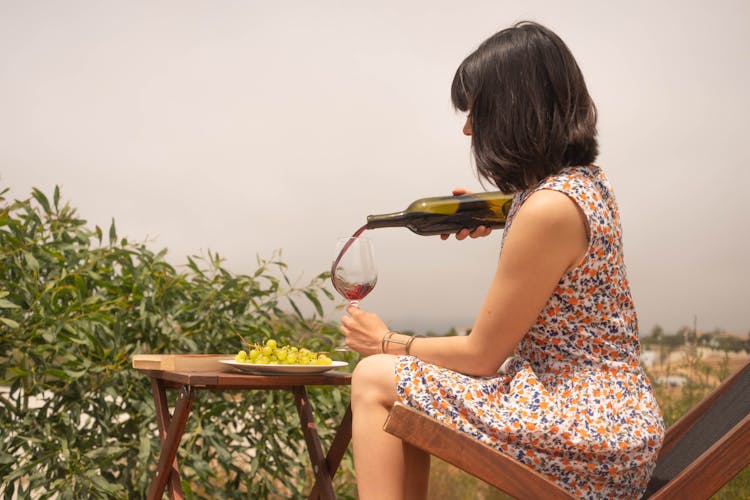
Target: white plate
282,369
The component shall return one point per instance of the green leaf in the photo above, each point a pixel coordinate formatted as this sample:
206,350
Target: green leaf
144,448
112,233
102,484
314,299
74,374
6,304
56,197
16,370
6,458
31,261
16,474
101,453
9,322
42,199
296,309
55,372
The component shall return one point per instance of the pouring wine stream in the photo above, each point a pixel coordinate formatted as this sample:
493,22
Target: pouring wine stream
336,261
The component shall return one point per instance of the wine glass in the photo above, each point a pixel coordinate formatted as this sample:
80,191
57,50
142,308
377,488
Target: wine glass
353,272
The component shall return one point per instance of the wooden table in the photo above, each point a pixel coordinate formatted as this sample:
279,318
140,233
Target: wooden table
187,383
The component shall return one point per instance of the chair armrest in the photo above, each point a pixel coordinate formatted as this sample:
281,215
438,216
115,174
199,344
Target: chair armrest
470,455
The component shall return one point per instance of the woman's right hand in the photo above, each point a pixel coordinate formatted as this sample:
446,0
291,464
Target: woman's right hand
363,330
478,232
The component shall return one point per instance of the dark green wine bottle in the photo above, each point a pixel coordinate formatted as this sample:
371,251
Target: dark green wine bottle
448,214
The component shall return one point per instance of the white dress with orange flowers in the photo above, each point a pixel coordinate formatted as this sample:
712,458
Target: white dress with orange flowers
573,402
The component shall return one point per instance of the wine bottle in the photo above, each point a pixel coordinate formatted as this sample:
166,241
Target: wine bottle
448,214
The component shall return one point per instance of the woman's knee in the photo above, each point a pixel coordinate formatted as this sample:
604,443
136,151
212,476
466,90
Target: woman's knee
374,381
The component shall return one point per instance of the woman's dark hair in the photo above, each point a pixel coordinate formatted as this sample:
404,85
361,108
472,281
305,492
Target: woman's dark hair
531,114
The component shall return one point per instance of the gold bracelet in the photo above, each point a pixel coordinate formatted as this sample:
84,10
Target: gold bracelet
408,345
387,335
387,339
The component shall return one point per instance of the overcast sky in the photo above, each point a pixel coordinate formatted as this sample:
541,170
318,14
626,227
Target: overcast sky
246,126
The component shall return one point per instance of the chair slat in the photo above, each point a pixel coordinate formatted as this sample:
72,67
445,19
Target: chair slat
677,430
713,469
691,438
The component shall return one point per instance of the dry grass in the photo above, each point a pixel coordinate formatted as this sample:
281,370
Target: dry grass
449,483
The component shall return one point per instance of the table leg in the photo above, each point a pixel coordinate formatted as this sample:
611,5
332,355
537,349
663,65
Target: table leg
338,448
170,430
314,448
162,419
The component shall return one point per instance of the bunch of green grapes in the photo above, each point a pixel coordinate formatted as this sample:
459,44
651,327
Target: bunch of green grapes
271,353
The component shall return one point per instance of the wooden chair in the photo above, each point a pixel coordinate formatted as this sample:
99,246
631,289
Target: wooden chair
702,451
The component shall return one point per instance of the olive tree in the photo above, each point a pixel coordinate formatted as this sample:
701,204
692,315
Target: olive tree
76,421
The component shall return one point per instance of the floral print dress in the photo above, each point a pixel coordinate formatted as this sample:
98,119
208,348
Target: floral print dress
573,402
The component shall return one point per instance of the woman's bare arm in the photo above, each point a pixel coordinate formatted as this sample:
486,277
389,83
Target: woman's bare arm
547,239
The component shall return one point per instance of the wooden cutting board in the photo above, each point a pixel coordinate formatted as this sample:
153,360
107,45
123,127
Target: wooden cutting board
181,362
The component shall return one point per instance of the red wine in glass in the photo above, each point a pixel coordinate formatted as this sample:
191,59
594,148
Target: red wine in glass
354,292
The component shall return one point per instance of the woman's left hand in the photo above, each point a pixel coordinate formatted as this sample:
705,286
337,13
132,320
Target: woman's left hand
363,330
478,232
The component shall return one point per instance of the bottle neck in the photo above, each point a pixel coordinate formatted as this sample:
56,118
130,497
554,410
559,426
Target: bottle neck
395,219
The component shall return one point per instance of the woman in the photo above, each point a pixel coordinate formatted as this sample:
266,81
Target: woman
550,373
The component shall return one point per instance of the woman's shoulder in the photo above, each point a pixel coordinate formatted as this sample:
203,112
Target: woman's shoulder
580,185
585,185
549,220
551,208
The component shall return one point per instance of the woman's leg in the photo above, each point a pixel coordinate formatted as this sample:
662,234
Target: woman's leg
386,468
417,473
